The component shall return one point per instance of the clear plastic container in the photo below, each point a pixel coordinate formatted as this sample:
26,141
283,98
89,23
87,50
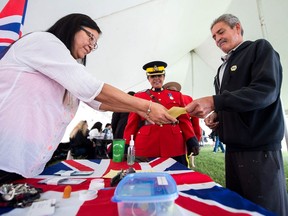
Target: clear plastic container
146,194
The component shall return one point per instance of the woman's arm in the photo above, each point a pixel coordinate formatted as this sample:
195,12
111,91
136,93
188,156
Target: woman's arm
115,100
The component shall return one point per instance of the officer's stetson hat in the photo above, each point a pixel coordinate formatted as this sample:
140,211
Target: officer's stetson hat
155,68
169,85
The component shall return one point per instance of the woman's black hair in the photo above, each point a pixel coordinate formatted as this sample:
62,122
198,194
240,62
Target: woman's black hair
97,125
66,28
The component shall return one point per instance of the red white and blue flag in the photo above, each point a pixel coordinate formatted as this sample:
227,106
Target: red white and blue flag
12,18
198,193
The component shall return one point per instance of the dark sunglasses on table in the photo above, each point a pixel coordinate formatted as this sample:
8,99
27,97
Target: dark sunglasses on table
92,39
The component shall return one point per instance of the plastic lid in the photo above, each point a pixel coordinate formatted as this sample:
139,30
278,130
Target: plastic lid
146,187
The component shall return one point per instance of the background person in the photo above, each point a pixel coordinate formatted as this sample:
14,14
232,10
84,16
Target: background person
96,130
165,140
217,143
53,61
247,115
119,121
108,134
97,125
81,146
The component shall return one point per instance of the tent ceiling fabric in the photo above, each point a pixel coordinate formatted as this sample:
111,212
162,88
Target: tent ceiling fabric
157,30
178,32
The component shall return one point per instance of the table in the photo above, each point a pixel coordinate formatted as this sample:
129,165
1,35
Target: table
101,149
198,193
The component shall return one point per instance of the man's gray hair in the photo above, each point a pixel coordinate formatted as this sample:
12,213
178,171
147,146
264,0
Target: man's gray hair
229,19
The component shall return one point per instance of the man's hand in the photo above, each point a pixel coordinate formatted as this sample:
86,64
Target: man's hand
200,107
212,121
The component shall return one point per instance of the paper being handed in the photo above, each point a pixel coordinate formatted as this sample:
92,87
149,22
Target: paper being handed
176,111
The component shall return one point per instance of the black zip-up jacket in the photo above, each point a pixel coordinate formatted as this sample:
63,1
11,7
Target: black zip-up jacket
248,102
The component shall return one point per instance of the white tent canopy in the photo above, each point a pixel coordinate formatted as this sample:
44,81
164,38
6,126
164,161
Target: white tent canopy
177,32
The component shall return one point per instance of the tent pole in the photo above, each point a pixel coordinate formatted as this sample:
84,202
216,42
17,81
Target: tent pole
261,18
192,67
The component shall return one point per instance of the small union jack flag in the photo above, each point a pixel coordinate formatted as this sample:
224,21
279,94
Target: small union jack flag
12,18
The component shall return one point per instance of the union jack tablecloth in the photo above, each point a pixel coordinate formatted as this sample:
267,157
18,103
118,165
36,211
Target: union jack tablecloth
198,193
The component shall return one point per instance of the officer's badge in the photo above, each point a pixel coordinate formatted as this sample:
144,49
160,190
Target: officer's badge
170,96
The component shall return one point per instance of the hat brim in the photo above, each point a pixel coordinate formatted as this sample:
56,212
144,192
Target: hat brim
155,73
174,84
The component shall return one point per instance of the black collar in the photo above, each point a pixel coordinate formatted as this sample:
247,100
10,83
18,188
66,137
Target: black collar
157,89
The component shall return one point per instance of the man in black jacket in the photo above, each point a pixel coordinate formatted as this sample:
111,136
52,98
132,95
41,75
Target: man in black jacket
247,114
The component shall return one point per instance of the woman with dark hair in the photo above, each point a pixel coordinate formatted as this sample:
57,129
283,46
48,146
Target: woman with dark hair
43,78
66,28
95,131
98,126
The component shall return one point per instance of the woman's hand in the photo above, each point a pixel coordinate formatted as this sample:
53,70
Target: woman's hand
157,114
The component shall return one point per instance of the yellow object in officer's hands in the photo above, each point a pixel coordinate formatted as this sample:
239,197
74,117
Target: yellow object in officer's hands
176,111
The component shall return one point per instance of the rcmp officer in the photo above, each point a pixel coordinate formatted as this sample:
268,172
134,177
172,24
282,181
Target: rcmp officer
164,140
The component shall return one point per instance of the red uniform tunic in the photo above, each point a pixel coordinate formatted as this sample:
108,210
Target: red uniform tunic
160,141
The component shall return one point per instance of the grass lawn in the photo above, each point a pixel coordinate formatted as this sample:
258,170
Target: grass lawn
212,164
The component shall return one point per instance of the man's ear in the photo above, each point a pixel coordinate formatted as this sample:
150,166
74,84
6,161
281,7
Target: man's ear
238,28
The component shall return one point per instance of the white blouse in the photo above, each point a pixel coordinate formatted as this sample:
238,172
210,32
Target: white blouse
34,114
